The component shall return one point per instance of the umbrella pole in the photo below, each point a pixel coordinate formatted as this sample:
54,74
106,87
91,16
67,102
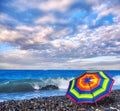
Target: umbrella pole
93,96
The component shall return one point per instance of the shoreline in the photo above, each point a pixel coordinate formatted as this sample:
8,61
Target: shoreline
62,103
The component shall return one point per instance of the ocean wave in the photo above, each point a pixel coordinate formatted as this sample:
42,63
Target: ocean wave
34,85
27,85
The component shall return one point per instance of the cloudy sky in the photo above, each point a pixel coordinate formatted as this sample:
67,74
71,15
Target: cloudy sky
60,34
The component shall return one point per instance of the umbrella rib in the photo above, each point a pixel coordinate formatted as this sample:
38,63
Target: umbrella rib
92,95
90,91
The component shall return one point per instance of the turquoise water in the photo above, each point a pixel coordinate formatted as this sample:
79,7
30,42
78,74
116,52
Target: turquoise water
26,84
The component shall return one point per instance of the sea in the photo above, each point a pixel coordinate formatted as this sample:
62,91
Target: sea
27,84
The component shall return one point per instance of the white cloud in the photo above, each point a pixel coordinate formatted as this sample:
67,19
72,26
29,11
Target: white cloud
29,35
21,59
5,18
48,5
105,9
7,35
55,5
92,1
25,28
46,19
85,43
97,59
66,44
50,19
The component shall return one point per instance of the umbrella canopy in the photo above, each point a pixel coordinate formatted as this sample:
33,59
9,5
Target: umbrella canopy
89,87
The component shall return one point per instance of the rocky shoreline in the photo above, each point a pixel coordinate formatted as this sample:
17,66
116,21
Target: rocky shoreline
62,103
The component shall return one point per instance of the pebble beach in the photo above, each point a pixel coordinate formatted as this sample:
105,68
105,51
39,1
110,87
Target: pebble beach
62,103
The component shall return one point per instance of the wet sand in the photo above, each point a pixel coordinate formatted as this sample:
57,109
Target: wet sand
62,103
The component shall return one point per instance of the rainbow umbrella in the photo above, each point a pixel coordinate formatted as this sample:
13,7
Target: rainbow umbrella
90,87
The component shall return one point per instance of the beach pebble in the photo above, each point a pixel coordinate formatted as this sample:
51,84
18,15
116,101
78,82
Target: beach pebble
62,103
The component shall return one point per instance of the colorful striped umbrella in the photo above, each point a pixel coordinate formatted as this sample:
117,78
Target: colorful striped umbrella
90,87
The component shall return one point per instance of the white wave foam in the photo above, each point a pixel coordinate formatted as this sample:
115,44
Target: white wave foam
1,100
117,80
61,83
36,86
